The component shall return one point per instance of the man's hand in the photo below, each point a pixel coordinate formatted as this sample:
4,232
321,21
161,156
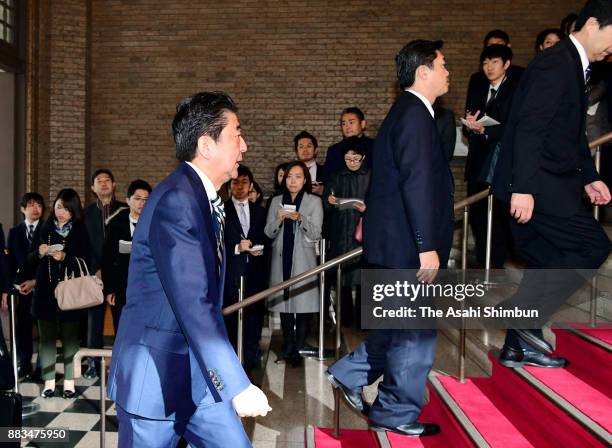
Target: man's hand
244,245
598,192
251,402
332,199
521,207
26,287
110,299
471,122
42,250
4,302
430,263
317,188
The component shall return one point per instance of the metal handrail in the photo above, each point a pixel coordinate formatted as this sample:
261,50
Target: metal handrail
334,262
602,140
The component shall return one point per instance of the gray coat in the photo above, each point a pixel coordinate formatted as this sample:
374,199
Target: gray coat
304,296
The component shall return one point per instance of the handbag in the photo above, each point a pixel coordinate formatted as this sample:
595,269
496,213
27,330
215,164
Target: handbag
359,230
76,293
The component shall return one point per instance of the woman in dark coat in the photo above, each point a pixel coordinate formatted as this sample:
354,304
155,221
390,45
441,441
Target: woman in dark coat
350,182
64,226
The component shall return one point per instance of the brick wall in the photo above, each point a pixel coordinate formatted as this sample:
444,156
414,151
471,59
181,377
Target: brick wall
289,65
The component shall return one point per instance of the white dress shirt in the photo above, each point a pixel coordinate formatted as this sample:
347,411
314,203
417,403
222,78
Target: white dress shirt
584,59
208,185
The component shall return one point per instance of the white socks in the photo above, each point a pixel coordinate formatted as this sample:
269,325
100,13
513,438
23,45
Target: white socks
69,385
50,384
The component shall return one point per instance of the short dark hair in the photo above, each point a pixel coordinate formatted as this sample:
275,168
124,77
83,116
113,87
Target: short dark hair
138,184
414,54
244,170
71,202
304,134
355,144
32,196
496,51
308,185
541,37
280,166
259,192
599,9
499,34
200,114
102,171
567,21
353,110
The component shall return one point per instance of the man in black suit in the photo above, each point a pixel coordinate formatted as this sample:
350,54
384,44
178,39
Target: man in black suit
96,215
352,124
478,80
306,149
544,168
408,224
19,247
118,247
244,229
493,100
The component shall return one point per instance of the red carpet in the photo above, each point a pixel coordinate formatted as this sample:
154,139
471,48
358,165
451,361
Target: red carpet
602,332
452,436
511,414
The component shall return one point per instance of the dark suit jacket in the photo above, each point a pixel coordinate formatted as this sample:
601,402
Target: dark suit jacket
481,145
172,353
544,151
410,201
253,268
18,250
96,228
334,160
5,278
114,264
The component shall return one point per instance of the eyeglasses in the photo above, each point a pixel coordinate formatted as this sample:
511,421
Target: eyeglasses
353,159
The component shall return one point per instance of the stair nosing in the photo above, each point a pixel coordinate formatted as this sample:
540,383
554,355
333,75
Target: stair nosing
383,440
456,410
580,417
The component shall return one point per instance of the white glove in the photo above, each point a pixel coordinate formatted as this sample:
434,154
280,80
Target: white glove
251,402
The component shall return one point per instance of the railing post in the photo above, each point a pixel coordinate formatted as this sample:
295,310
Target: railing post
489,237
594,288
240,338
462,331
322,304
338,346
102,401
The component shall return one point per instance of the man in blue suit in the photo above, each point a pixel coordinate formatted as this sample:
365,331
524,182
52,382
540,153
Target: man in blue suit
408,225
174,372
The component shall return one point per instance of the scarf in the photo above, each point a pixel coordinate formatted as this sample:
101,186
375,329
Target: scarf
289,228
64,231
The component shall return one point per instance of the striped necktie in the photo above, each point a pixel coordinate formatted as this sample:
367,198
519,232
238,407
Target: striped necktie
30,234
219,221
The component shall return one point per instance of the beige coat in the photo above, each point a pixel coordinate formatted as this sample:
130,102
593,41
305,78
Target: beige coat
304,296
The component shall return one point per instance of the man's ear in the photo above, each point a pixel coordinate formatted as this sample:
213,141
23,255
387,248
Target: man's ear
421,72
204,147
364,123
507,64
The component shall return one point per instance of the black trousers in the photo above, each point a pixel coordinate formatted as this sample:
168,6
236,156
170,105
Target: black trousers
501,237
295,329
23,333
561,254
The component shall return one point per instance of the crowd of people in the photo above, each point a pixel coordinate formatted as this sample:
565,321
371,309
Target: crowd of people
267,240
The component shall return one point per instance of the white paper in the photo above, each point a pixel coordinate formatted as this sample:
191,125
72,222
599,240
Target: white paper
255,248
289,208
348,202
55,248
125,247
485,120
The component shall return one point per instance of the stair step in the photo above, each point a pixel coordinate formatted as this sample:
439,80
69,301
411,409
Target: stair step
507,412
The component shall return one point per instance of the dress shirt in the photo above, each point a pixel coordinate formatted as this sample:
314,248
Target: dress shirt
238,206
133,223
208,185
312,168
584,59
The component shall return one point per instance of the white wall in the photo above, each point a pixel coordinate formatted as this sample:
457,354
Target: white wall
7,149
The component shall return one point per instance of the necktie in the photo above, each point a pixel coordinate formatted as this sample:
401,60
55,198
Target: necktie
587,75
30,234
492,94
243,219
219,221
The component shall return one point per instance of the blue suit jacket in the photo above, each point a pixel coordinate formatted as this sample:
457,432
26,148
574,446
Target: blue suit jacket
410,201
171,353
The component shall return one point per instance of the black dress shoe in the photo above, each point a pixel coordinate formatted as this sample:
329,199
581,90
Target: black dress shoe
91,372
352,397
535,341
68,394
415,429
48,393
511,357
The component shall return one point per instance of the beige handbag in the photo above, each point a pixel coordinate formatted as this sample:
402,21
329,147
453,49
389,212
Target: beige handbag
75,293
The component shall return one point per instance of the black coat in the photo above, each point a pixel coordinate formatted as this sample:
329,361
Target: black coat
96,229
18,250
342,223
49,272
114,264
480,146
544,151
334,160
